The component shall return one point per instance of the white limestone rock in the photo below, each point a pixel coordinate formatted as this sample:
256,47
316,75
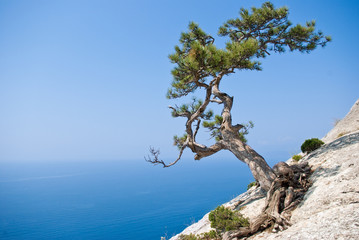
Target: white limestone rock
347,125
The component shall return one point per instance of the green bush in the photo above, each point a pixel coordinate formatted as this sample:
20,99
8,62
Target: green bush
251,185
297,157
224,219
211,235
310,145
188,237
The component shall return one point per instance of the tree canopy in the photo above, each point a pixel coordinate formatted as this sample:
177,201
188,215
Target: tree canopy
252,36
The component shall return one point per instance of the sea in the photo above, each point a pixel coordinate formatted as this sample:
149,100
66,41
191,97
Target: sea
112,199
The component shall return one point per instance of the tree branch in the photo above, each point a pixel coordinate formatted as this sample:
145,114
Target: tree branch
203,151
175,113
197,114
197,128
156,160
216,101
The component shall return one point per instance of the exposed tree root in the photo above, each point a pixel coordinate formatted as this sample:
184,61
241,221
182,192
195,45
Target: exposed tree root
285,193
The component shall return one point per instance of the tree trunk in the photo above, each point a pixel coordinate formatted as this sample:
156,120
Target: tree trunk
262,173
258,166
285,193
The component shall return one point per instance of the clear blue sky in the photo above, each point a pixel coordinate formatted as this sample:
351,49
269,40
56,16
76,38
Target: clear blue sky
86,80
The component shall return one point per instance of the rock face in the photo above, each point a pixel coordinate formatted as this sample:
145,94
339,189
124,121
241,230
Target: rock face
330,208
347,125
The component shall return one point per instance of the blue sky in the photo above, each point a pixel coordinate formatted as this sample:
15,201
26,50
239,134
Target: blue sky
86,80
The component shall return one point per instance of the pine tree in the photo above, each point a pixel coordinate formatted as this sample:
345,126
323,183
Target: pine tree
201,66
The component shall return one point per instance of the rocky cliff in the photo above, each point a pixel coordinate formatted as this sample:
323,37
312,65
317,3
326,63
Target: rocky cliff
330,208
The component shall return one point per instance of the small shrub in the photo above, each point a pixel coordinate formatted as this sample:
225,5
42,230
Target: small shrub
251,185
297,157
188,237
224,219
310,145
211,235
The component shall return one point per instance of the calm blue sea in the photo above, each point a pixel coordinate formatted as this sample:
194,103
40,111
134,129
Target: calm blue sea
112,199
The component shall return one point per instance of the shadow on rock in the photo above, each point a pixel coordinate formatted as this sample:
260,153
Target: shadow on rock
337,144
326,172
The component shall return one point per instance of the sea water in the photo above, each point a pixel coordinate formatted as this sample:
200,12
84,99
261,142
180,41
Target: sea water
112,199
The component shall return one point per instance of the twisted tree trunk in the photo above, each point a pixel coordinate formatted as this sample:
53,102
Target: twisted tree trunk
285,193
262,173
231,141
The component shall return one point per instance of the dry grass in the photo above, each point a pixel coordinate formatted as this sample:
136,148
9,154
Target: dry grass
342,134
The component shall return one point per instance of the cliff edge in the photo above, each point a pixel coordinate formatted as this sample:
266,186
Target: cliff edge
330,208
347,125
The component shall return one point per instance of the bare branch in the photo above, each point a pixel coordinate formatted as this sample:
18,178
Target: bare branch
156,160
